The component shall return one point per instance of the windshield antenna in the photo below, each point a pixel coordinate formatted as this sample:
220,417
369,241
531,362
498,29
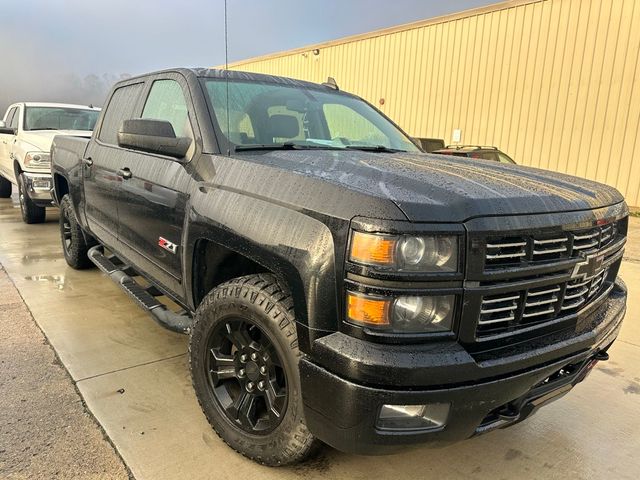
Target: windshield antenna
226,74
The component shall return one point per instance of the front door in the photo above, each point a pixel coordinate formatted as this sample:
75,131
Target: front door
153,199
102,164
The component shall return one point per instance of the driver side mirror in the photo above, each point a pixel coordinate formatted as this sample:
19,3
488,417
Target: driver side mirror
153,136
6,130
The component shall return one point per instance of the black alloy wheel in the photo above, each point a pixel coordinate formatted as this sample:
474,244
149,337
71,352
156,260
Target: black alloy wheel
246,376
31,213
75,242
65,231
243,356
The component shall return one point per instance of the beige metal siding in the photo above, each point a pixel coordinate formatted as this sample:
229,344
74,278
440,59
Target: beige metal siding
554,83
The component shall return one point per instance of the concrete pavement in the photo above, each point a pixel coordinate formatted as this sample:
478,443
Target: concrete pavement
134,378
45,430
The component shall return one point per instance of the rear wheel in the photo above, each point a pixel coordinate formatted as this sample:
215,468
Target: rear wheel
5,188
75,244
244,366
31,213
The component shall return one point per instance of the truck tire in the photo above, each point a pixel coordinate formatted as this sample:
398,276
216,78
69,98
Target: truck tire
244,367
75,244
5,188
31,213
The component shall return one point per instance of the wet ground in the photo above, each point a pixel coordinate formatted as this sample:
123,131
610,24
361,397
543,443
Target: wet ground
45,430
134,378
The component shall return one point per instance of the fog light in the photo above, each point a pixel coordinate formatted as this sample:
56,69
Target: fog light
413,417
41,184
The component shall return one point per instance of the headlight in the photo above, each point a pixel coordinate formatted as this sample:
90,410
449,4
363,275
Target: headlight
406,253
37,160
405,314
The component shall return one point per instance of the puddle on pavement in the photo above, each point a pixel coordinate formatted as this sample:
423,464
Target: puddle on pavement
57,280
40,257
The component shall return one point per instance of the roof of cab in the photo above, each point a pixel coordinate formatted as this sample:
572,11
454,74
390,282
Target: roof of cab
236,75
59,105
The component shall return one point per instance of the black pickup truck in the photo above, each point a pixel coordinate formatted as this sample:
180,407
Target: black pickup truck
339,285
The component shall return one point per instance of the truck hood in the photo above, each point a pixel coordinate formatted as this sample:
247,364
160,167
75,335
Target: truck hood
437,188
41,140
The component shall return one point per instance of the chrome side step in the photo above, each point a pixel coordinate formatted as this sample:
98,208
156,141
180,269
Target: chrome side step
145,297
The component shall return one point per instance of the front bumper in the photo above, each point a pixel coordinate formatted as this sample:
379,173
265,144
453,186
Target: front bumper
38,186
343,412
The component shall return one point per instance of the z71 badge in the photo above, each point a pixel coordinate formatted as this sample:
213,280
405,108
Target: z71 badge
167,245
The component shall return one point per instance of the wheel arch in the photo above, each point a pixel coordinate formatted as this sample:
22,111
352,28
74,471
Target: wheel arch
295,248
214,264
60,187
17,169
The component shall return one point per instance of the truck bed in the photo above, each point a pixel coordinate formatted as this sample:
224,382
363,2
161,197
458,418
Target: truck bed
67,153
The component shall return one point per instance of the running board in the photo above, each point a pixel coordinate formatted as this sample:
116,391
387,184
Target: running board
144,297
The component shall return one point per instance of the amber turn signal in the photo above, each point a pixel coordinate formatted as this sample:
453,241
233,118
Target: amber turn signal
372,249
368,310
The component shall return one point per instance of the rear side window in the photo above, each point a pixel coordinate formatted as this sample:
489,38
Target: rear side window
14,118
120,108
166,102
484,156
8,116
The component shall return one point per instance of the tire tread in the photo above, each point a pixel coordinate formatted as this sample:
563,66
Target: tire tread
76,256
266,291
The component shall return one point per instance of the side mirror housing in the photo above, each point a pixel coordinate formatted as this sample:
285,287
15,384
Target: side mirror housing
6,130
153,136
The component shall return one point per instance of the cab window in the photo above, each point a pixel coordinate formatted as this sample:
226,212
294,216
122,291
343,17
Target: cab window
344,122
166,102
15,119
505,159
120,108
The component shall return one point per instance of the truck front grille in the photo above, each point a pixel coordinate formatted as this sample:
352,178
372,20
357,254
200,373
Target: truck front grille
522,308
525,249
538,278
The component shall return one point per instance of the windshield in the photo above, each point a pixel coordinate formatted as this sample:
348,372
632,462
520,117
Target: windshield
59,118
263,114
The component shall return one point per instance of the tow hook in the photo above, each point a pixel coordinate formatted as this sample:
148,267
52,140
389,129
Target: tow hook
508,413
601,356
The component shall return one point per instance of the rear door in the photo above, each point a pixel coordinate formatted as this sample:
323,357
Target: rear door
103,160
153,200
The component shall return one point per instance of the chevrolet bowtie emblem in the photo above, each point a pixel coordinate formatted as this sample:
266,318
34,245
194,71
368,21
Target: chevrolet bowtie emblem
591,265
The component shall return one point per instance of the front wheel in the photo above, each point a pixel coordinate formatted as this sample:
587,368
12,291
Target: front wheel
75,244
5,188
244,366
31,213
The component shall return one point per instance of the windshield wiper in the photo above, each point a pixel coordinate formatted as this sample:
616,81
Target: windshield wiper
374,148
283,146
45,128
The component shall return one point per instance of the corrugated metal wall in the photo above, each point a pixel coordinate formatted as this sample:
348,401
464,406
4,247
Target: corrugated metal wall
553,83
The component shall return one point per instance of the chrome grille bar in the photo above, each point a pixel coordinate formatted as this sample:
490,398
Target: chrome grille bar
507,313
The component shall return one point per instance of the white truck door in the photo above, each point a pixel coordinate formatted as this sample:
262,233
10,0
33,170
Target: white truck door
6,143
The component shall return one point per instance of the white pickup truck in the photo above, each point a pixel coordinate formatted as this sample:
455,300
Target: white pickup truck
26,134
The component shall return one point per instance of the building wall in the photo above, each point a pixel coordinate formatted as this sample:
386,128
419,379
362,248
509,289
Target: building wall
553,83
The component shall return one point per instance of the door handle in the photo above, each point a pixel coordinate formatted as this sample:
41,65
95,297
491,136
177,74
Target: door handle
87,161
125,173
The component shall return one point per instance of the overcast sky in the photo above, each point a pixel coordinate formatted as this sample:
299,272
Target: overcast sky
72,50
